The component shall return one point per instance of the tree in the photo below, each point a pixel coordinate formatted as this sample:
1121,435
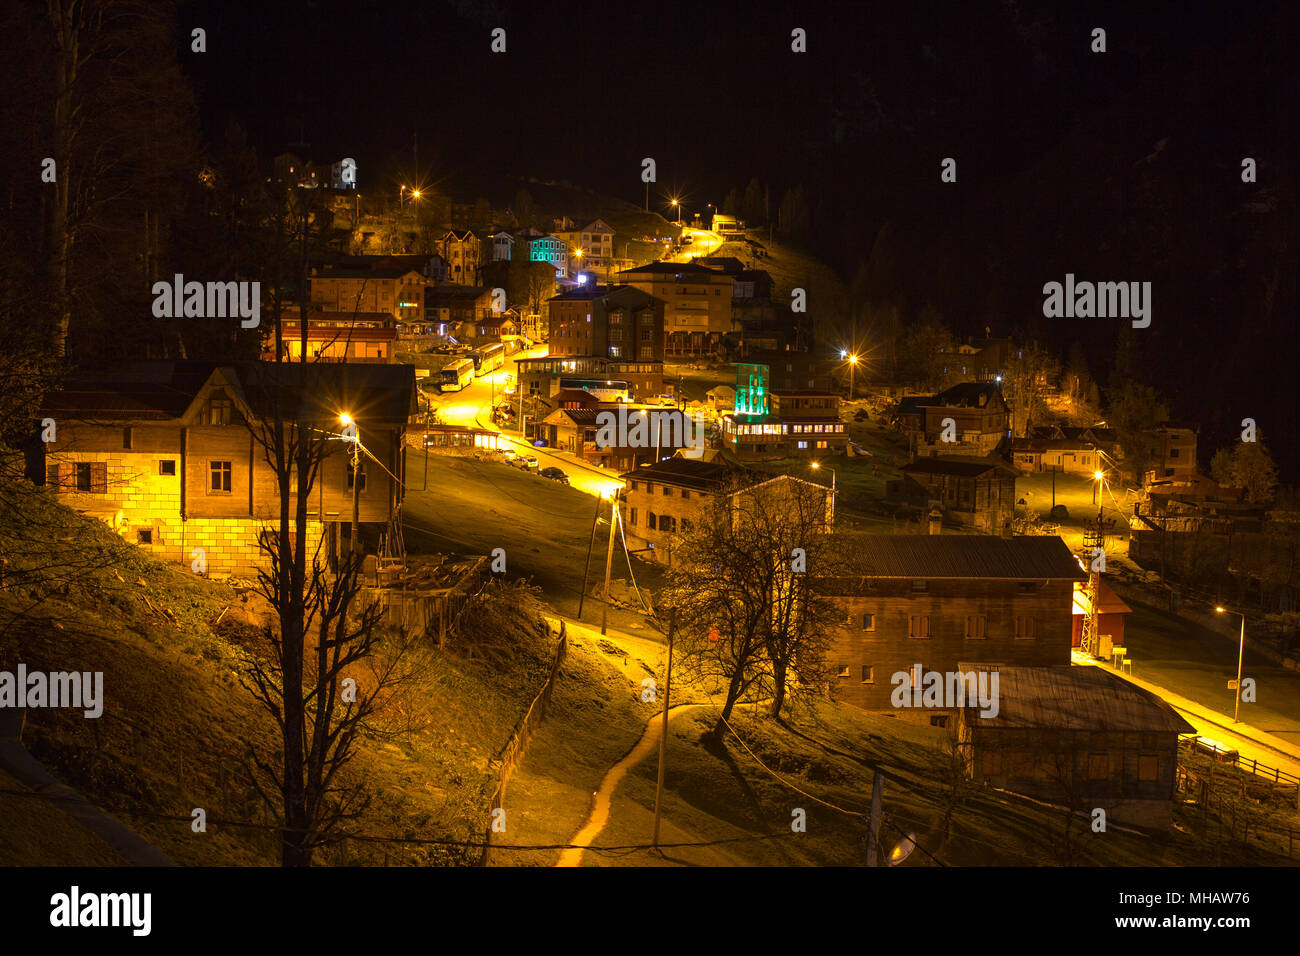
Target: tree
738,574
752,207
1134,410
1027,371
731,204
926,347
1077,378
1246,465
525,210
318,719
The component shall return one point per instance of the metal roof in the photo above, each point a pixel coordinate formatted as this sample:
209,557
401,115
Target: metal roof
935,556
1076,698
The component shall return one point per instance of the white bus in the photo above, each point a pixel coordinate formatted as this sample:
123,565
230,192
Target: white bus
456,376
489,358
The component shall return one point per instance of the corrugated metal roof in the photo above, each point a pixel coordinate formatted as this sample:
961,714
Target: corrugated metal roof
959,556
1076,698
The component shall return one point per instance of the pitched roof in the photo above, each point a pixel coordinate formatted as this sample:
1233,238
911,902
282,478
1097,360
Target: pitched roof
960,556
685,473
956,467
163,390
1077,698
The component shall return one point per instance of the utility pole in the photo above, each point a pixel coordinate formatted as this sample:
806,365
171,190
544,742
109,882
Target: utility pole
873,837
356,493
591,542
609,561
663,736
1241,653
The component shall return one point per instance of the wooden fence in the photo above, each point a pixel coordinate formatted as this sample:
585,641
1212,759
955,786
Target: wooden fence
517,746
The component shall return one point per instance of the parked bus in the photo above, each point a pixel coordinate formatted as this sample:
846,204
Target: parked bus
489,358
603,389
456,376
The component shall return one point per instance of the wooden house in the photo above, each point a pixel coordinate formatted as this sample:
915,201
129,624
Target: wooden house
1080,738
941,600
168,452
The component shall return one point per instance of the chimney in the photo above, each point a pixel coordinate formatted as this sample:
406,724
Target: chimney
936,521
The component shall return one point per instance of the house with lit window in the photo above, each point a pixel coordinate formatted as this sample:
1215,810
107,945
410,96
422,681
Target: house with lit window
697,303
940,601
591,246
167,452
534,247
666,498
395,289
968,419
1080,738
334,337
769,423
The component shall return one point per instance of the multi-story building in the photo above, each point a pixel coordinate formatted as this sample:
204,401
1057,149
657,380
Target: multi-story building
533,247
666,498
544,377
395,289
590,246
969,419
463,253
619,323
335,337
449,309
976,494
941,601
1171,451
768,422
502,245
167,452
697,304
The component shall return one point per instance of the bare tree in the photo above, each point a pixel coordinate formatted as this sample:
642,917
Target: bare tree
737,571
301,682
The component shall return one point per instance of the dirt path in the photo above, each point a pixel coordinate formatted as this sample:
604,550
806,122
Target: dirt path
600,807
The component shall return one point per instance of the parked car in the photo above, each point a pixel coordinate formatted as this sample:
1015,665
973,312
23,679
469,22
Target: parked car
555,474
526,462
510,455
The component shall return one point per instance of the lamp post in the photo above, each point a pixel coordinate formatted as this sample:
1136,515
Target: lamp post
354,537
1241,653
609,560
678,207
817,465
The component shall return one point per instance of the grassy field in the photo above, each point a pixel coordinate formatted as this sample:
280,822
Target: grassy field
178,726
473,506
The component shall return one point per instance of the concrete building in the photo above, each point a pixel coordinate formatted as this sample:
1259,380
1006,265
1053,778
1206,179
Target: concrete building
335,337
697,304
463,252
395,289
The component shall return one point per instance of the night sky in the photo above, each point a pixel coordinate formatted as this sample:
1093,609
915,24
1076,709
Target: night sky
1122,166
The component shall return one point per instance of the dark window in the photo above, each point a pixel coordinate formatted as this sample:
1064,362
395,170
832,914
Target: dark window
868,622
650,520
668,492
219,411
1027,587
868,674
219,477
167,466
144,535
83,476
126,437
844,670
938,721
350,475
632,517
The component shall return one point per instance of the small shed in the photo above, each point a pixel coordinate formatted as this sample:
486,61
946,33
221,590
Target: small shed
1079,737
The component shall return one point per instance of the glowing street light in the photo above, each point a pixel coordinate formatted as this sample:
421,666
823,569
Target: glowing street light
1241,653
1099,477
678,207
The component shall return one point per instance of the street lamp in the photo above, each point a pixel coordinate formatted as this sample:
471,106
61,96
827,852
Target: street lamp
1099,477
816,465
355,437
678,206
1241,653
